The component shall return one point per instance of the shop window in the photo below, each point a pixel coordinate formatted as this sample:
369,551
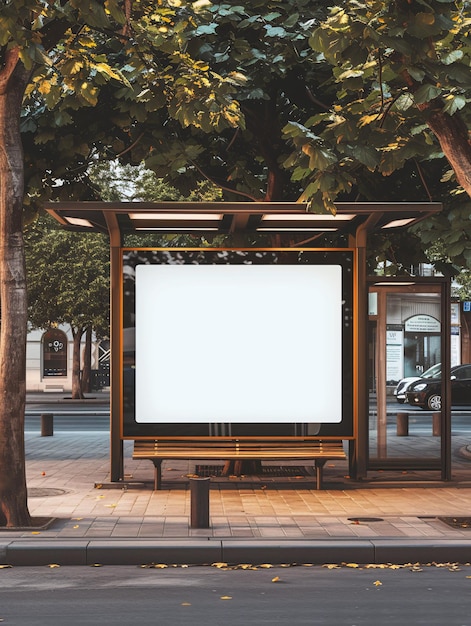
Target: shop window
54,353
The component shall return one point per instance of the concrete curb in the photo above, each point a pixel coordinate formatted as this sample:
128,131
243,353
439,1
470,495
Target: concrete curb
232,551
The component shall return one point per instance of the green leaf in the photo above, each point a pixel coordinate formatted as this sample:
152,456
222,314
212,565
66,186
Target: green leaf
292,20
416,73
426,93
206,29
404,102
269,17
71,66
455,249
115,11
319,158
366,155
454,103
275,31
451,57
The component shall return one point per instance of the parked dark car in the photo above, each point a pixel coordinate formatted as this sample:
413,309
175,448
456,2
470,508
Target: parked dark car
404,384
427,392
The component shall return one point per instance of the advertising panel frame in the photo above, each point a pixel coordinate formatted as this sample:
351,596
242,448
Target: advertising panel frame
345,429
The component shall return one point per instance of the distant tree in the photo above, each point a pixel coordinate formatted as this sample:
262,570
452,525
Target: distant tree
113,181
68,283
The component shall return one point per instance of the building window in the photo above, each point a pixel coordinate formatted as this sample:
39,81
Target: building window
54,353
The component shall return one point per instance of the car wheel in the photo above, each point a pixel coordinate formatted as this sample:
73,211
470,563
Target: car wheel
434,402
400,401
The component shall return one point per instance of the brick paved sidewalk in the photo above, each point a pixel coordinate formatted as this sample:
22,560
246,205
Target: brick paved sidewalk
62,472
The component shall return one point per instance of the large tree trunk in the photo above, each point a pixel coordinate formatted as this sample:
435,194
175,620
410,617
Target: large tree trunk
263,121
453,136
77,394
13,494
451,132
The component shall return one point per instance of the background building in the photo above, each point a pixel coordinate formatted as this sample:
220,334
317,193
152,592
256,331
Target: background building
49,361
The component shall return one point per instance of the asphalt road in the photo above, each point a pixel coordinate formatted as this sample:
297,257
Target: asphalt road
95,417
69,416
207,596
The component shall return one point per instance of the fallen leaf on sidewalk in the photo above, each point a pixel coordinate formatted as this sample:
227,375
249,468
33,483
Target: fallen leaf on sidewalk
53,565
226,597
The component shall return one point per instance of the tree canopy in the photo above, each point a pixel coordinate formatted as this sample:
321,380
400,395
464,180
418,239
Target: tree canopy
401,72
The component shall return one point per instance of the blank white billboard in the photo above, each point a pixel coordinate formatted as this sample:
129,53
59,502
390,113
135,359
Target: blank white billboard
238,343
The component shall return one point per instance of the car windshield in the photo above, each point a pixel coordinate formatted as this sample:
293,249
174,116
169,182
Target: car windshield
433,372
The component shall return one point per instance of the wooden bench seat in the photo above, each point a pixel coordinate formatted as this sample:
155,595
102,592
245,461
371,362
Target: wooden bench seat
231,448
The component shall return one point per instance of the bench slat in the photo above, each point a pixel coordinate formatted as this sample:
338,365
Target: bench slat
237,449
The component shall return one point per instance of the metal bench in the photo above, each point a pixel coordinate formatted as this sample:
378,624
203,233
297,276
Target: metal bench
231,448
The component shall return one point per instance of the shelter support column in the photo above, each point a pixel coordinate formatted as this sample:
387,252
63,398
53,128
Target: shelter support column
446,382
358,448
380,373
116,443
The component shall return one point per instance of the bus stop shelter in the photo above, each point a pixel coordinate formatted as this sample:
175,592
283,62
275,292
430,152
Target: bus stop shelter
291,229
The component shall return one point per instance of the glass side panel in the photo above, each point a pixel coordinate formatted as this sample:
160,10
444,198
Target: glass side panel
405,375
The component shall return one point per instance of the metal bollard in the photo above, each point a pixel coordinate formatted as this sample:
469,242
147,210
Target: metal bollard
402,424
47,425
199,509
436,423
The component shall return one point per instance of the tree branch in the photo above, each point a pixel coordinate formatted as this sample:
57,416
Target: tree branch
223,187
424,182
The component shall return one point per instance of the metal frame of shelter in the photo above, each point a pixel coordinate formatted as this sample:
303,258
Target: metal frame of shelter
289,225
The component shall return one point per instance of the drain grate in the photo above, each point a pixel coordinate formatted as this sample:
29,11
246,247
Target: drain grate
365,520
269,471
457,522
41,492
